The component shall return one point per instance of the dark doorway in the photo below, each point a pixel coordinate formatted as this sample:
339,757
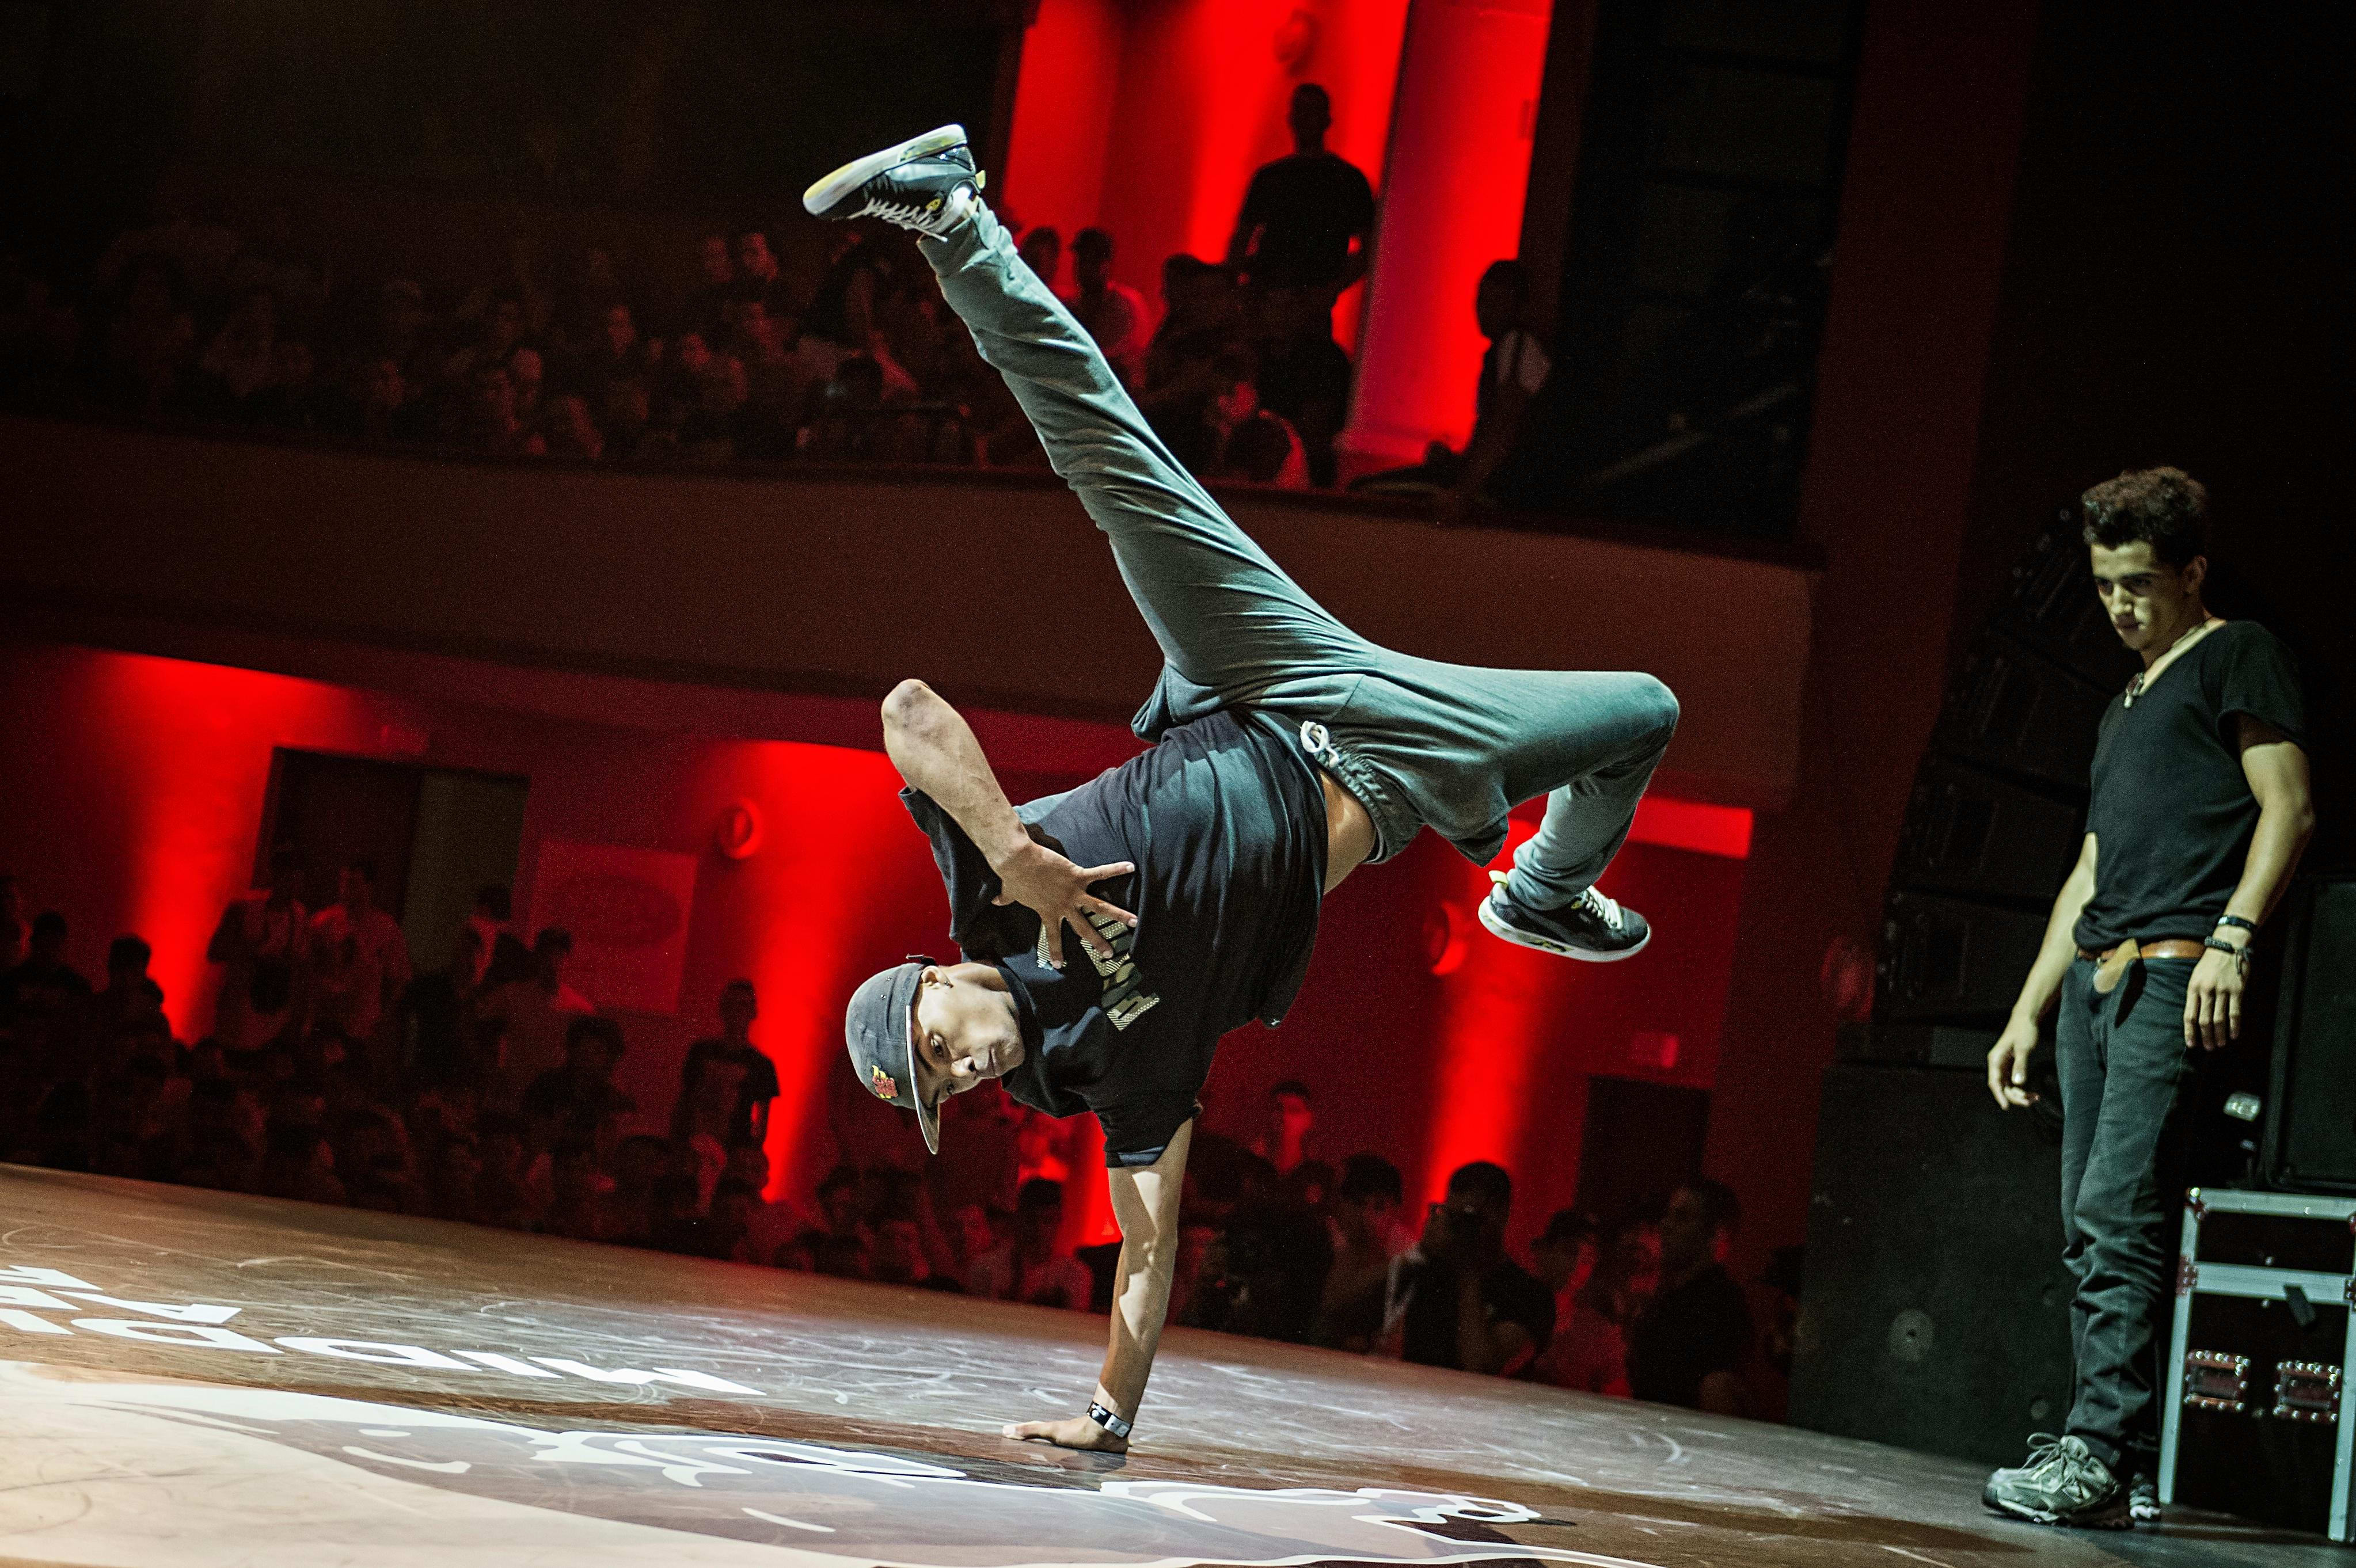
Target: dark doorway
435,835
1641,1139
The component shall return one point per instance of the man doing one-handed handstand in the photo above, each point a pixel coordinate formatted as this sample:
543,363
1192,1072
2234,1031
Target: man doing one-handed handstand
1287,751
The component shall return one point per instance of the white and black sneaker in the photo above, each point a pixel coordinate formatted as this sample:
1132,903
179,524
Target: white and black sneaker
927,183
2062,1484
1590,927
2143,1500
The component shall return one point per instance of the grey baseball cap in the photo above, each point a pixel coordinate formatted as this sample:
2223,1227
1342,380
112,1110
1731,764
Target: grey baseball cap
879,1030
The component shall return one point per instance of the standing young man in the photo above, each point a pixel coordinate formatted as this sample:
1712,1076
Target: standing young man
1288,751
2200,811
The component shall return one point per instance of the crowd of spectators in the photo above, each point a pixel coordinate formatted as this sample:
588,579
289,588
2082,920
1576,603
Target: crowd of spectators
483,1090
853,356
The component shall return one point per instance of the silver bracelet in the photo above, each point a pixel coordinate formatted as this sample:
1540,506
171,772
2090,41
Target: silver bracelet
1109,1421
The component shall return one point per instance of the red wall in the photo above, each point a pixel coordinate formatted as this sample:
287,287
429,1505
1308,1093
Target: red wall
1460,161
137,791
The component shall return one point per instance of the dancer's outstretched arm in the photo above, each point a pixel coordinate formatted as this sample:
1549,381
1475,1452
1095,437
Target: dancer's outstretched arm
934,749
1146,1203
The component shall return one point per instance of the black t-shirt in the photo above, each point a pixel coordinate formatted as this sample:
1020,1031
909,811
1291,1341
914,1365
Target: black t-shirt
1225,820
1509,1293
829,315
32,989
1307,207
1685,1334
1309,374
2172,813
759,1088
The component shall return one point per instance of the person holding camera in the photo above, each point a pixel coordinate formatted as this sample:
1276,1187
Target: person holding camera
1455,1298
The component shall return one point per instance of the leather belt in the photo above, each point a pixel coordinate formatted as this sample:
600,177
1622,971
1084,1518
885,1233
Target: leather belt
2111,965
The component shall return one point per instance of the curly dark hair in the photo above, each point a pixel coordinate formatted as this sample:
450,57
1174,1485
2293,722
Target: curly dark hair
2165,507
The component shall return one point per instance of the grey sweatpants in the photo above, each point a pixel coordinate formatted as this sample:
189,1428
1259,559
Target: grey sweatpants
1417,742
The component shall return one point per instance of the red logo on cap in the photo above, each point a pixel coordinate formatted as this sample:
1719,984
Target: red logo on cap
880,1082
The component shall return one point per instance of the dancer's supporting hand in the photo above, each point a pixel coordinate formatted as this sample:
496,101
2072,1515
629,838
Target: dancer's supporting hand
1078,1432
1043,881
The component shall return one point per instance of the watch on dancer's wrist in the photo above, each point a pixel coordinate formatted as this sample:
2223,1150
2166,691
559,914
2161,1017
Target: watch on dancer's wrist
1109,1421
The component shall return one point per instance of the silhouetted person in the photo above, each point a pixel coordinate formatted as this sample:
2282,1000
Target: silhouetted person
44,987
746,1118
1284,1140
1689,1345
706,310
1458,1299
359,958
1264,1272
1512,368
578,1103
1302,213
1365,1211
757,278
1042,250
131,998
493,909
1113,312
1304,375
259,943
1033,1267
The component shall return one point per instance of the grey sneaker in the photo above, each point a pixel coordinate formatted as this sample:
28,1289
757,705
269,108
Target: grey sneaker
2143,1500
1590,927
927,183
2062,1484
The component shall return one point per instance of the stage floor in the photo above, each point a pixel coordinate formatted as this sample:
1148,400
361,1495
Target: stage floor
198,1379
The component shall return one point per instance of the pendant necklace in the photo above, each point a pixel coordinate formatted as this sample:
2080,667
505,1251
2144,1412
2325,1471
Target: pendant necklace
2135,687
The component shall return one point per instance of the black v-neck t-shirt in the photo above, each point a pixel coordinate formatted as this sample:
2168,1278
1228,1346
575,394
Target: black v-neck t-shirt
1225,820
2172,813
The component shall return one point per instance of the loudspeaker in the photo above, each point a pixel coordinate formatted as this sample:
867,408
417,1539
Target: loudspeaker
2014,711
2053,610
1969,831
2311,1133
1934,1312
1949,960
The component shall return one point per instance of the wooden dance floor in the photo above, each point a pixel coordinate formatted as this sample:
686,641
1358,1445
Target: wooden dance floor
197,1379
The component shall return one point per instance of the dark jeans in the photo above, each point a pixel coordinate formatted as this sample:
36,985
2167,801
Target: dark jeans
2125,1072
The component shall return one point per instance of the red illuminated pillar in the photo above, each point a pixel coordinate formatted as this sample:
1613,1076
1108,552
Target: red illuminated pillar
1457,168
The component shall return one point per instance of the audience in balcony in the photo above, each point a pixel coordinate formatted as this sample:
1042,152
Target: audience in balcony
858,361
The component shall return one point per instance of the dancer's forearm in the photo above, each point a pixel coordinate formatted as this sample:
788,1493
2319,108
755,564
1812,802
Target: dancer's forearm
1146,1204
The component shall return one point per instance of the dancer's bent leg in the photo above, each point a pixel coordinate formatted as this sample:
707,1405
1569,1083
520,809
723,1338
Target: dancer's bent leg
1417,741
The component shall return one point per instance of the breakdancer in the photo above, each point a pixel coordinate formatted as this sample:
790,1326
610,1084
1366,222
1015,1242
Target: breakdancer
1287,751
